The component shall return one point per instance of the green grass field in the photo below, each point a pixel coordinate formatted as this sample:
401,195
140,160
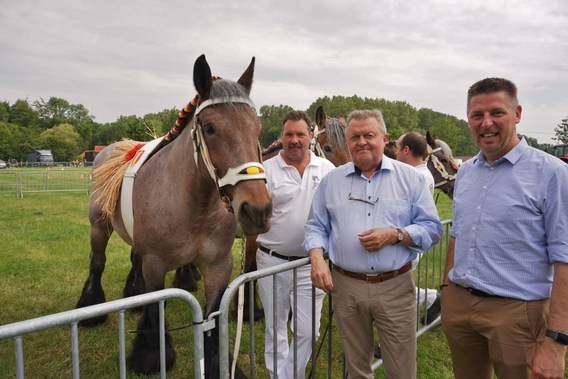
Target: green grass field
44,245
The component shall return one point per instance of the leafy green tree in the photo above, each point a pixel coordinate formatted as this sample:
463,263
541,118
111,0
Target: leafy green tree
63,141
271,117
4,111
562,131
22,114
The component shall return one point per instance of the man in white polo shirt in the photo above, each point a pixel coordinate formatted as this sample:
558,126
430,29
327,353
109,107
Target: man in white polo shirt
292,177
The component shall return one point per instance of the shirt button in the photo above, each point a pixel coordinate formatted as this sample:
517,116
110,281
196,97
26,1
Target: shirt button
368,214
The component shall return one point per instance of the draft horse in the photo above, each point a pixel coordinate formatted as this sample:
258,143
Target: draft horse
186,199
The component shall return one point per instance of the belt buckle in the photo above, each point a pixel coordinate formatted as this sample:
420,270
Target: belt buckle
370,277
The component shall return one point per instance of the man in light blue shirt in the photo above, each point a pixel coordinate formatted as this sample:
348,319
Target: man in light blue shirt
373,216
509,249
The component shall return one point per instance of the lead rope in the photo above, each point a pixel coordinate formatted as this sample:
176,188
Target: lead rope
240,306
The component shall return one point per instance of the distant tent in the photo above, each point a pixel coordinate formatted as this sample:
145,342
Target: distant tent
89,155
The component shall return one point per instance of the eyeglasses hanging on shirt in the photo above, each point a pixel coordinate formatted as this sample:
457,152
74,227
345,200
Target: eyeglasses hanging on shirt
371,200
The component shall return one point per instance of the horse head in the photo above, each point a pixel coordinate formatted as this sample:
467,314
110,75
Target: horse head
441,164
225,135
329,138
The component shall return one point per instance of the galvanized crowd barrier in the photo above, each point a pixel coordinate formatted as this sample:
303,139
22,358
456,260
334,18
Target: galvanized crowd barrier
50,180
18,330
428,274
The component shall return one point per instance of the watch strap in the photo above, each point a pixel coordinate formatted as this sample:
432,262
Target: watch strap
399,236
558,337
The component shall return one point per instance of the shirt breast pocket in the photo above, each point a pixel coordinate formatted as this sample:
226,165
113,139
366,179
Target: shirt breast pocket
394,212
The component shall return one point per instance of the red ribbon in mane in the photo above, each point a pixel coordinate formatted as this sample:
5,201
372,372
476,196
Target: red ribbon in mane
130,154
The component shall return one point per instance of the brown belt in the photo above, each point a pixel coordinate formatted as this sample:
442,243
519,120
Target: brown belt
375,278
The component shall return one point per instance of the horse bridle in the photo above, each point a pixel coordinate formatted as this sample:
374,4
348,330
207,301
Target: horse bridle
315,146
439,167
234,175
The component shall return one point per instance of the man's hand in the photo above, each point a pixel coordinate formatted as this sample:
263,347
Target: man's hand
548,362
377,238
321,276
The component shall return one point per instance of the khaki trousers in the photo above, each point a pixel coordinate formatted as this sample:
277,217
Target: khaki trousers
391,307
488,334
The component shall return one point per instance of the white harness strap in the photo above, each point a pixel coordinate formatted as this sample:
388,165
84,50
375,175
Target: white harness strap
128,184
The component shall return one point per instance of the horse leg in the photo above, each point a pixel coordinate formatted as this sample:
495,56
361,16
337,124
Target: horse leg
144,357
135,280
186,278
93,292
216,281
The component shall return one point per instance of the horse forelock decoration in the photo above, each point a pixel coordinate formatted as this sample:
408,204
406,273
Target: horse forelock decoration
187,200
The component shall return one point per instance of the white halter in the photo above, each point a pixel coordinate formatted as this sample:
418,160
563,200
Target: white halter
245,171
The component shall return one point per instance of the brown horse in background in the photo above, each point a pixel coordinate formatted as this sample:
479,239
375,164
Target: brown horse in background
187,200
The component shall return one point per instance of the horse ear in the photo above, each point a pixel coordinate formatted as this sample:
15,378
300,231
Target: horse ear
246,78
321,117
202,77
430,139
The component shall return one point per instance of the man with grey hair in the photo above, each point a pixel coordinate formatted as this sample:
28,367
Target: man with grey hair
373,216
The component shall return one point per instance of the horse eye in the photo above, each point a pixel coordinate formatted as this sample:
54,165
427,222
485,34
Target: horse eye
327,149
209,129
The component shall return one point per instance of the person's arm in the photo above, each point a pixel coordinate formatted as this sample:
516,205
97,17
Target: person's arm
449,261
549,359
320,274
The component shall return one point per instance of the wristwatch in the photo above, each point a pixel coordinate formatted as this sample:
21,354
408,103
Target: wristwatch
399,236
558,337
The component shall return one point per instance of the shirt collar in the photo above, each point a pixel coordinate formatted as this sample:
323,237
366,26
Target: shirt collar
512,156
384,164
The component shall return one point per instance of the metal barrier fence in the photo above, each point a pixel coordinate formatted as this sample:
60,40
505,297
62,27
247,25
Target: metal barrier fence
52,180
17,330
427,274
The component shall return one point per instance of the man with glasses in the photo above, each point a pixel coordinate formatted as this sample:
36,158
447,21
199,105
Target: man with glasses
373,216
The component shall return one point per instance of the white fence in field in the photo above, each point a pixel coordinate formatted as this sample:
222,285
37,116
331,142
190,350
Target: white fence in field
48,180
428,275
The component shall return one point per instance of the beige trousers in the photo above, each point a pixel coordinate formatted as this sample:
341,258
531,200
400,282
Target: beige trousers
391,307
488,334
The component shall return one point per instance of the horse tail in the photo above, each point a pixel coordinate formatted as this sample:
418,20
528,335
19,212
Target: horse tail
107,177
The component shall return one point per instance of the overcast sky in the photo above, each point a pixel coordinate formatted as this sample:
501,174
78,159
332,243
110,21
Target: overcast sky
136,57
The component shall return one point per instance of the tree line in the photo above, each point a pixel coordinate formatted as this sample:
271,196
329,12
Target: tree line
69,129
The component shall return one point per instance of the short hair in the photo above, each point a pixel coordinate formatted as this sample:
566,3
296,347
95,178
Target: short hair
298,116
416,143
368,113
491,85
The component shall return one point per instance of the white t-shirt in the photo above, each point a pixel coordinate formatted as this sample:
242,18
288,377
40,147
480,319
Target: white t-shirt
427,175
291,200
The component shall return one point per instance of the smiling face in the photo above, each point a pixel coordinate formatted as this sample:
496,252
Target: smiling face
296,138
366,143
492,119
